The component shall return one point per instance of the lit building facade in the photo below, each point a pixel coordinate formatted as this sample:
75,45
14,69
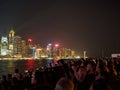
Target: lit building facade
62,52
49,50
11,41
17,46
4,46
24,48
67,53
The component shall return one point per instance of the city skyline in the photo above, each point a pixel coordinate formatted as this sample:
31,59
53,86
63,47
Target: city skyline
92,26
14,46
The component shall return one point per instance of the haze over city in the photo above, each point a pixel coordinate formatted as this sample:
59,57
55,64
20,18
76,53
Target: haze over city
92,25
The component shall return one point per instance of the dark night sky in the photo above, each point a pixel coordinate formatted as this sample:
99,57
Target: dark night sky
91,25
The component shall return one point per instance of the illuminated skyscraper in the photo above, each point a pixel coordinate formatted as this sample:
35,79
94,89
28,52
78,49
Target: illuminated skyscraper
0,48
30,43
17,46
56,50
24,48
11,36
11,41
72,53
49,50
67,53
30,48
62,52
4,46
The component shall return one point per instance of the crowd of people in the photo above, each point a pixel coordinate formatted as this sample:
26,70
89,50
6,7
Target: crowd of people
82,74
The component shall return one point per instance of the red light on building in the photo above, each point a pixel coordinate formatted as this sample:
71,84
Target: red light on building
30,40
56,45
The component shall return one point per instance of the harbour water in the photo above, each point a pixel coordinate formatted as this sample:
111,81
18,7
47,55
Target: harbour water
8,66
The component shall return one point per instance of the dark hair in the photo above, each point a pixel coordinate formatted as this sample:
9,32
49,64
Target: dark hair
100,84
39,87
16,70
65,84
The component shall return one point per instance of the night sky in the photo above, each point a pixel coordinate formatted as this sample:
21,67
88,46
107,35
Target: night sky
90,25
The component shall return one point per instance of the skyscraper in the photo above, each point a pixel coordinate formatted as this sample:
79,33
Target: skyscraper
49,50
11,36
24,48
4,45
17,46
11,41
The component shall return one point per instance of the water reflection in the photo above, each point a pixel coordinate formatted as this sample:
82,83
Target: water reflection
8,66
30,64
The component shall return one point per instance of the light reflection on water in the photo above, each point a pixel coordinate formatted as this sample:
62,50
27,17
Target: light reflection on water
30,64
8,66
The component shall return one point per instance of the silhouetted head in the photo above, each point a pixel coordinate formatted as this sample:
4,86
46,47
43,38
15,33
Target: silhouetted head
16,70
99,84
64,84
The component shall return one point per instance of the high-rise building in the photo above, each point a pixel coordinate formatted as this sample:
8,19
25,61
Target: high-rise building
11,36
0,48
17,49
72,53
11,41
49,50
24,48
56,50
4,45
62,52
67,53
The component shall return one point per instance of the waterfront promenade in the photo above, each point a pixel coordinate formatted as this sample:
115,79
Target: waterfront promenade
48,75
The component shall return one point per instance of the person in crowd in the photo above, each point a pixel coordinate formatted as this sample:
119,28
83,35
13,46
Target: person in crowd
39,87
101,79
101,72
117,67
16,74
90,75
37,77
64,84
4,82
99,84
9,80
80,75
